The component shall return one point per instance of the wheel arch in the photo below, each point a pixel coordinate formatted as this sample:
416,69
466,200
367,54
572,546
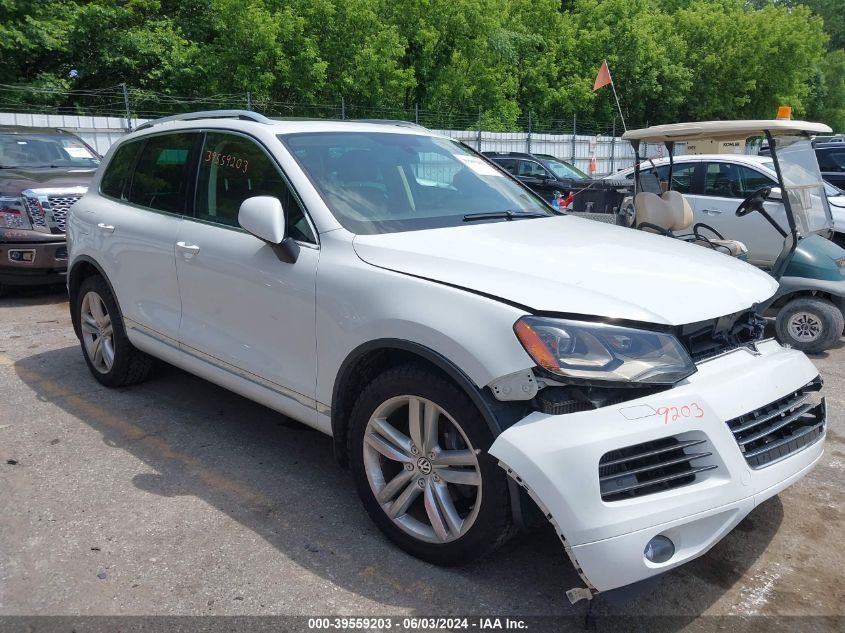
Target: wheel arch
82,268
374,357
797,294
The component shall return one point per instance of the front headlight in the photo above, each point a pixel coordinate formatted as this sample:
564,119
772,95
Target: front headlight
13,215
601,352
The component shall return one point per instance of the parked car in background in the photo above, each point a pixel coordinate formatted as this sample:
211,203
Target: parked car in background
715,184
833,138
544,174
830,152
43,171
467,348
831,157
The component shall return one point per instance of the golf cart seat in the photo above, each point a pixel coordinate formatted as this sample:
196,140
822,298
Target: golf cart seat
670,212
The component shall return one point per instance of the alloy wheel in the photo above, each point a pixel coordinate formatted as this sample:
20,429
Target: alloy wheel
97,332
422,469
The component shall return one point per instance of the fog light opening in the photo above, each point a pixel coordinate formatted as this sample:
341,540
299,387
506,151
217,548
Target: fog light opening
659,549
26,256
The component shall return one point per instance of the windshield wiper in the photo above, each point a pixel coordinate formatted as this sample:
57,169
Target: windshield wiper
504,215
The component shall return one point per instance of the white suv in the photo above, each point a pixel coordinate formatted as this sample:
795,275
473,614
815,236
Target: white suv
464,346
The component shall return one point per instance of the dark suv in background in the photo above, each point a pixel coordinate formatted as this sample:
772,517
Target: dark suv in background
831,158
43,171
543,174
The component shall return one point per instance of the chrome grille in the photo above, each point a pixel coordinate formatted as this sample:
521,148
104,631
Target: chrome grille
36,212
781,428
59,206
651,467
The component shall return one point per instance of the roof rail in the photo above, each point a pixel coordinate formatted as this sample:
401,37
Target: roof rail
398,122
246,115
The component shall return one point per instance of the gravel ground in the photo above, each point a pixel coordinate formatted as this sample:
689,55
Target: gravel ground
176,497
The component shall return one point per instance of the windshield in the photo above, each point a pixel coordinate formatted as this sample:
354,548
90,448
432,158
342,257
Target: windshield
45,150
829,189
376,182
803,182
562,170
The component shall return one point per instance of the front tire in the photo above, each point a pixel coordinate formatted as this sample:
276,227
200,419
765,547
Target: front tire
419,455
809,324
110,357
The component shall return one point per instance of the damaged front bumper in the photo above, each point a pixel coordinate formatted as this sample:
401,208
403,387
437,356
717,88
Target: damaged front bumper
688,463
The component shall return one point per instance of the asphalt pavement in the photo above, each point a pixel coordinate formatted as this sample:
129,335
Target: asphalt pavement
177,497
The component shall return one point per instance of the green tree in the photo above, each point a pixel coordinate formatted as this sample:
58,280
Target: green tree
827,102
645,55
33,46
745,62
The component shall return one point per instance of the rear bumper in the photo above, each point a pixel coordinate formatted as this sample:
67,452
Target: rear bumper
33,263
557,459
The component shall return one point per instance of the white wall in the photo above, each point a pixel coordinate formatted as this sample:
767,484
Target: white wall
100,132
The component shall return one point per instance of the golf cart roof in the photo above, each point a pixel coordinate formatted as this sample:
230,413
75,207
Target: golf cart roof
722,129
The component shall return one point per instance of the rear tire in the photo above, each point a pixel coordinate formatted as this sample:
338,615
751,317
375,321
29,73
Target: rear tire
809,324
4,290
433,491
110,357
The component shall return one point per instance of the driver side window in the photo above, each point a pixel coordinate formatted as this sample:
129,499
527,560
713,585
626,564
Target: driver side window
233,168
728,180
532,170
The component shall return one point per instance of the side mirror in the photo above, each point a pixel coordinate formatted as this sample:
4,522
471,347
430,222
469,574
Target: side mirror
776,195
264,217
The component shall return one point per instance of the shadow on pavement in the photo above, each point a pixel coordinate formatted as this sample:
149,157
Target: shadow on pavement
280,480
33,295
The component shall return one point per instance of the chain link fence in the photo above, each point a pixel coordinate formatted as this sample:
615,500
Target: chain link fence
101,116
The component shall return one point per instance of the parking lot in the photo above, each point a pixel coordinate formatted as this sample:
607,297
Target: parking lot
176,497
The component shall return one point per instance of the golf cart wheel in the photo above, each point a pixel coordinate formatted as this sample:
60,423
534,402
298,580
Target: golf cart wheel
810,324
418,450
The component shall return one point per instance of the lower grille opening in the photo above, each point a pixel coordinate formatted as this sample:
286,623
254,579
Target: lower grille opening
781,428
650,467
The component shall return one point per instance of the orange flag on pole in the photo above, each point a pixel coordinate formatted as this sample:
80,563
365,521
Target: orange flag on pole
603,78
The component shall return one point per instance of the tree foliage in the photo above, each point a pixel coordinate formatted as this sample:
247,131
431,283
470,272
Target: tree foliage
670,59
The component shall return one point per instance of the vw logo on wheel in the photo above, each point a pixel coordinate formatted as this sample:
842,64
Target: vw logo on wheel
424,465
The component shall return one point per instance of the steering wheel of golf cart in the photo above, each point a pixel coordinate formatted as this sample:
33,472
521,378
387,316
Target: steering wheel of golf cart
754,202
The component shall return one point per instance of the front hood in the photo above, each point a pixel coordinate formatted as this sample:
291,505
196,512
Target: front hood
575,266
14,180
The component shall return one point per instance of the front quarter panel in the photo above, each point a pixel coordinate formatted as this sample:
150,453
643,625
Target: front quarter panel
358,303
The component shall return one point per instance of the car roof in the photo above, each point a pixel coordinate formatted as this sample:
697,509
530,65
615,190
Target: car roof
26,129
748,159
494,154
722,129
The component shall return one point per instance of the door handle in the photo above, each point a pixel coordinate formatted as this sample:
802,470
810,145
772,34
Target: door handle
105,228
712,211
189,250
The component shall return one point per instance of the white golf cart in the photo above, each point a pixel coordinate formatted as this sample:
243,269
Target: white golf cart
810,268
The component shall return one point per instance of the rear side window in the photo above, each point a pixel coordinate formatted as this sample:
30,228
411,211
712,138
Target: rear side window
508,164
161,179
233,168
682,177
118,170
